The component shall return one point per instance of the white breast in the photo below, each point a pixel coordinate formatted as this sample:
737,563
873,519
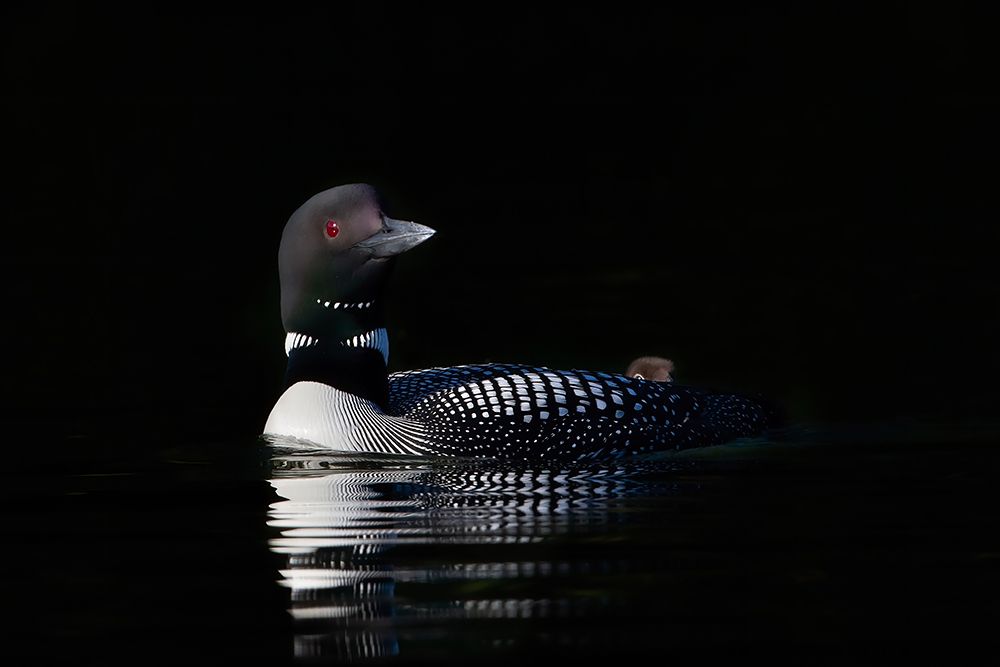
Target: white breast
322,415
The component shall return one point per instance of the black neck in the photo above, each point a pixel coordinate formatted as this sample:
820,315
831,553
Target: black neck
359,371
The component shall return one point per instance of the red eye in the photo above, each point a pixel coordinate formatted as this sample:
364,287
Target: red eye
332,228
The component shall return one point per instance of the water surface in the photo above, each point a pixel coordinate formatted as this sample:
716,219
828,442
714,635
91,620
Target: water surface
825,544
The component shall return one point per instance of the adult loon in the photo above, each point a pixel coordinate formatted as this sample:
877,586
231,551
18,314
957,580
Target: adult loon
334,259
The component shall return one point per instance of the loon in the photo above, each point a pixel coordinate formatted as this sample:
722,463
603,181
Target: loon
651,368
334,259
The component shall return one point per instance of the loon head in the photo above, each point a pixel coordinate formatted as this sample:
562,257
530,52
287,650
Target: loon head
658,369
336,252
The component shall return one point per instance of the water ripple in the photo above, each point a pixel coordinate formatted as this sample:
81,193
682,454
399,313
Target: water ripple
356,532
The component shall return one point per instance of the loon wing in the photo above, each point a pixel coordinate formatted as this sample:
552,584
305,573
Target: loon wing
516,411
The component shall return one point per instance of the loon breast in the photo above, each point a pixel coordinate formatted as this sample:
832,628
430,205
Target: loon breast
313,413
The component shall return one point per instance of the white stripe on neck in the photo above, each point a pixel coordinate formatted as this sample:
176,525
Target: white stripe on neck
376,339
345,306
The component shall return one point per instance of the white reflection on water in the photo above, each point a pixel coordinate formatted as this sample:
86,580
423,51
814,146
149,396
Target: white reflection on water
353,529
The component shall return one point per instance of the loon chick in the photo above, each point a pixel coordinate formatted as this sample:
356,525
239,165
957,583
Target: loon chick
657,369
335,256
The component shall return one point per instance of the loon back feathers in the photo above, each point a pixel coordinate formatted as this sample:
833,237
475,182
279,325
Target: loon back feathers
336,253
525,412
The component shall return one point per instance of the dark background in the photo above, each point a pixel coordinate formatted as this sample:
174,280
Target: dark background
794,200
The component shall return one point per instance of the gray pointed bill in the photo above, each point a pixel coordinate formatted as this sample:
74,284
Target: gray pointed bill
396,236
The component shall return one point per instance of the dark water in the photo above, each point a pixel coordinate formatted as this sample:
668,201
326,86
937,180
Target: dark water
824,543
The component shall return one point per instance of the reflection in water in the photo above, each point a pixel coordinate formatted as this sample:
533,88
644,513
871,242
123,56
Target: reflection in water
381,551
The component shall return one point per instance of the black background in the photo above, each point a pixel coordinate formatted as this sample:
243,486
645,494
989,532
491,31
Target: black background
796,200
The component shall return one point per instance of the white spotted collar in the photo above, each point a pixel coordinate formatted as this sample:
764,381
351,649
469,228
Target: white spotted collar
376,339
